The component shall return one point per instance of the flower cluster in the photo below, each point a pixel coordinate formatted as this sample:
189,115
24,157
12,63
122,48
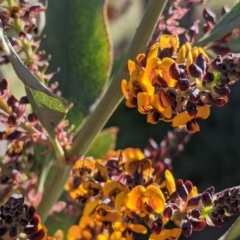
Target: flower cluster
19,221
179,85
121,196
21,18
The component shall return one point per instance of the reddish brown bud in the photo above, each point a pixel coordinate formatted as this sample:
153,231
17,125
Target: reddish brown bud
183,84
174,71
11,101
195,71
224,10
197,224
3,230
188,185
191,108
168,212
12,120
206,199
209,15
39,235
201,62
195,213
207,27
187,228
194,96
32,117
3,85
24,100
157,226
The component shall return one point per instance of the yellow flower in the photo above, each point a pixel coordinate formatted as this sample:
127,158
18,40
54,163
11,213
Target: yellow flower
165,79
169,183
105,214
182,118
129,229
85,166
100,172
144,200
141,166
111,189
121,202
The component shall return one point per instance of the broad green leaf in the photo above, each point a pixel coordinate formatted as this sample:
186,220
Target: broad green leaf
49,108
103,143
80,46
225,25
233,233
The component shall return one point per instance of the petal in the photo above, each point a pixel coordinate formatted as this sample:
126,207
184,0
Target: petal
102,236
131,102
155,198
204,55
181,119
125,89
131,66
120,202
203,112
153,117
144,102
120,226
90,206
166,234
153,51
165,66
134,202
167,112
193,192
193,126
74,233
131,166
58,235
133,153
167,99
112,188
116,235
151,70
156,104
146,167
87,165
170,182
169,41
137,228
100,172
183,53
141,59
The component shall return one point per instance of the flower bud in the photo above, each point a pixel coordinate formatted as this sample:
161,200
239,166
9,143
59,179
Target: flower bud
195,71
187,228
174,71
183,84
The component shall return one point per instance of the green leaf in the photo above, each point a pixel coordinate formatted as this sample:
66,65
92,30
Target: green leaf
81,48
225,25
233,232
49,108
105,141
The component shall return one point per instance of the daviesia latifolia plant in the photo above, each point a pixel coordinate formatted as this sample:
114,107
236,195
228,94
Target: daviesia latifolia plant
61,176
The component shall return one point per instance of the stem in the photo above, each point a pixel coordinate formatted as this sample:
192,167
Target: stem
44,173
60,156
97,119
